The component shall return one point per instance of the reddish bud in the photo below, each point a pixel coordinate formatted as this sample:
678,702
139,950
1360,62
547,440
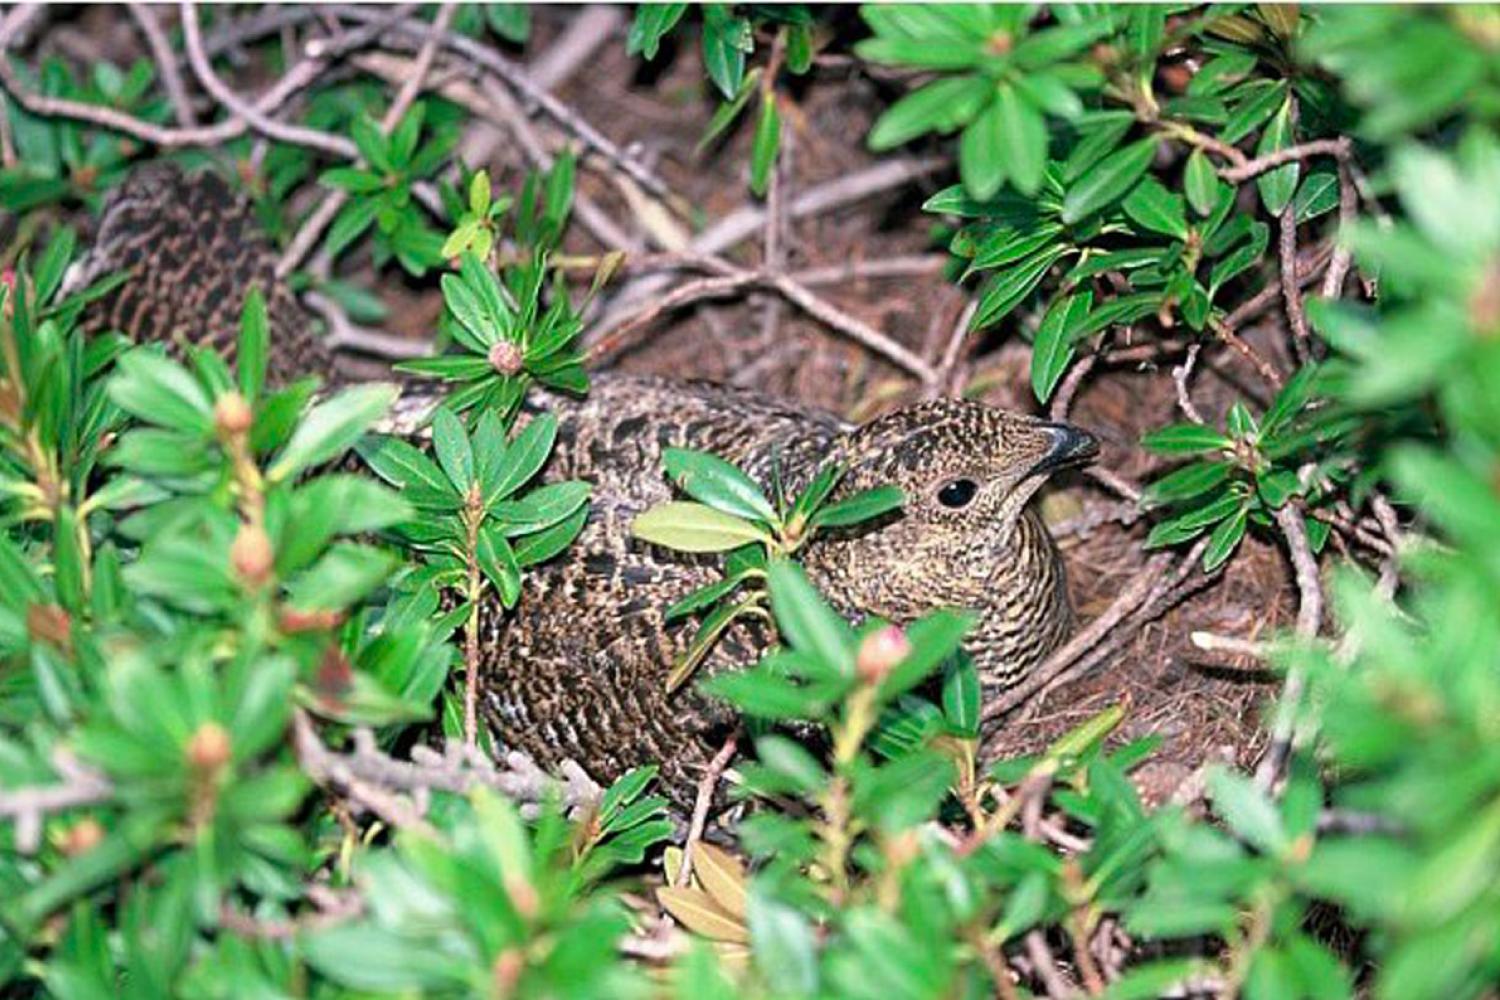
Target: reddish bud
523,897
208,749
232,416
50,624
335,676
293,621
506,972
880,652
506,358
81,837
1484,304
251,555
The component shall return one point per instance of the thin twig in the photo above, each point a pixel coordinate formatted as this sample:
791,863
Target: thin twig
736,281
1339,148
345,334
1343,256
857,330
164,137
1067,389
707,786
1228,335
1180,375
1309,619
947,367
1212,642
29,805
1291,289
166,62
298,135
456,769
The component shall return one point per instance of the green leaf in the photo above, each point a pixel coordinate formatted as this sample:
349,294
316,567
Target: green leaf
498,561
763,149
1265,98
652,22
1201,183
726,39
1224,540
1024,150
254,346
1052,350
345,574
1192,523
799,48
1151,205
807,623
1099,141
981,162
940,106
544,544
791,761
454,453
863,506
961,697
511,21
1183,439
1248,810
1009,288
527,453
1187,482
372,145
331,427
352,180
68,560
1317,195
352,220
710,629
934,639
713,481
1277,186
400,464
727,112
695,527
1108,181
54,263
782,945
542,507
160,392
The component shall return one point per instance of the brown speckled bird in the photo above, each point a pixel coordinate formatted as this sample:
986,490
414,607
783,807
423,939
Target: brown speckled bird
193,249
578,669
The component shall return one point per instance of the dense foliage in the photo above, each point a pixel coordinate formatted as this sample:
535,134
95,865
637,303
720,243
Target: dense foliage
211,616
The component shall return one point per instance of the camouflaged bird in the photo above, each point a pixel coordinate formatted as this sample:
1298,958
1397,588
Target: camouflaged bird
193,249
578,670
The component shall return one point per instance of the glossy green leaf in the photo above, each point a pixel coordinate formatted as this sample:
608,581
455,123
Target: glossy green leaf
1108,181
694,527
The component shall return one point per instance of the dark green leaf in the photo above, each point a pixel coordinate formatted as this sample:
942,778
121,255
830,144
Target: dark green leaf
1108,181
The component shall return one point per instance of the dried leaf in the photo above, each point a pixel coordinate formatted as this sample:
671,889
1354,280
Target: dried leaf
722,876
698,912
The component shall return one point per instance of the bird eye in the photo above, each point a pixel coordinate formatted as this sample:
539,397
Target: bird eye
957,493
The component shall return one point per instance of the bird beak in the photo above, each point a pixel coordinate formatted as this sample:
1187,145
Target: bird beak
1070,446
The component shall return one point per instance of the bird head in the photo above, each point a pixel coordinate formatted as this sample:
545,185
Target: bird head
964,537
